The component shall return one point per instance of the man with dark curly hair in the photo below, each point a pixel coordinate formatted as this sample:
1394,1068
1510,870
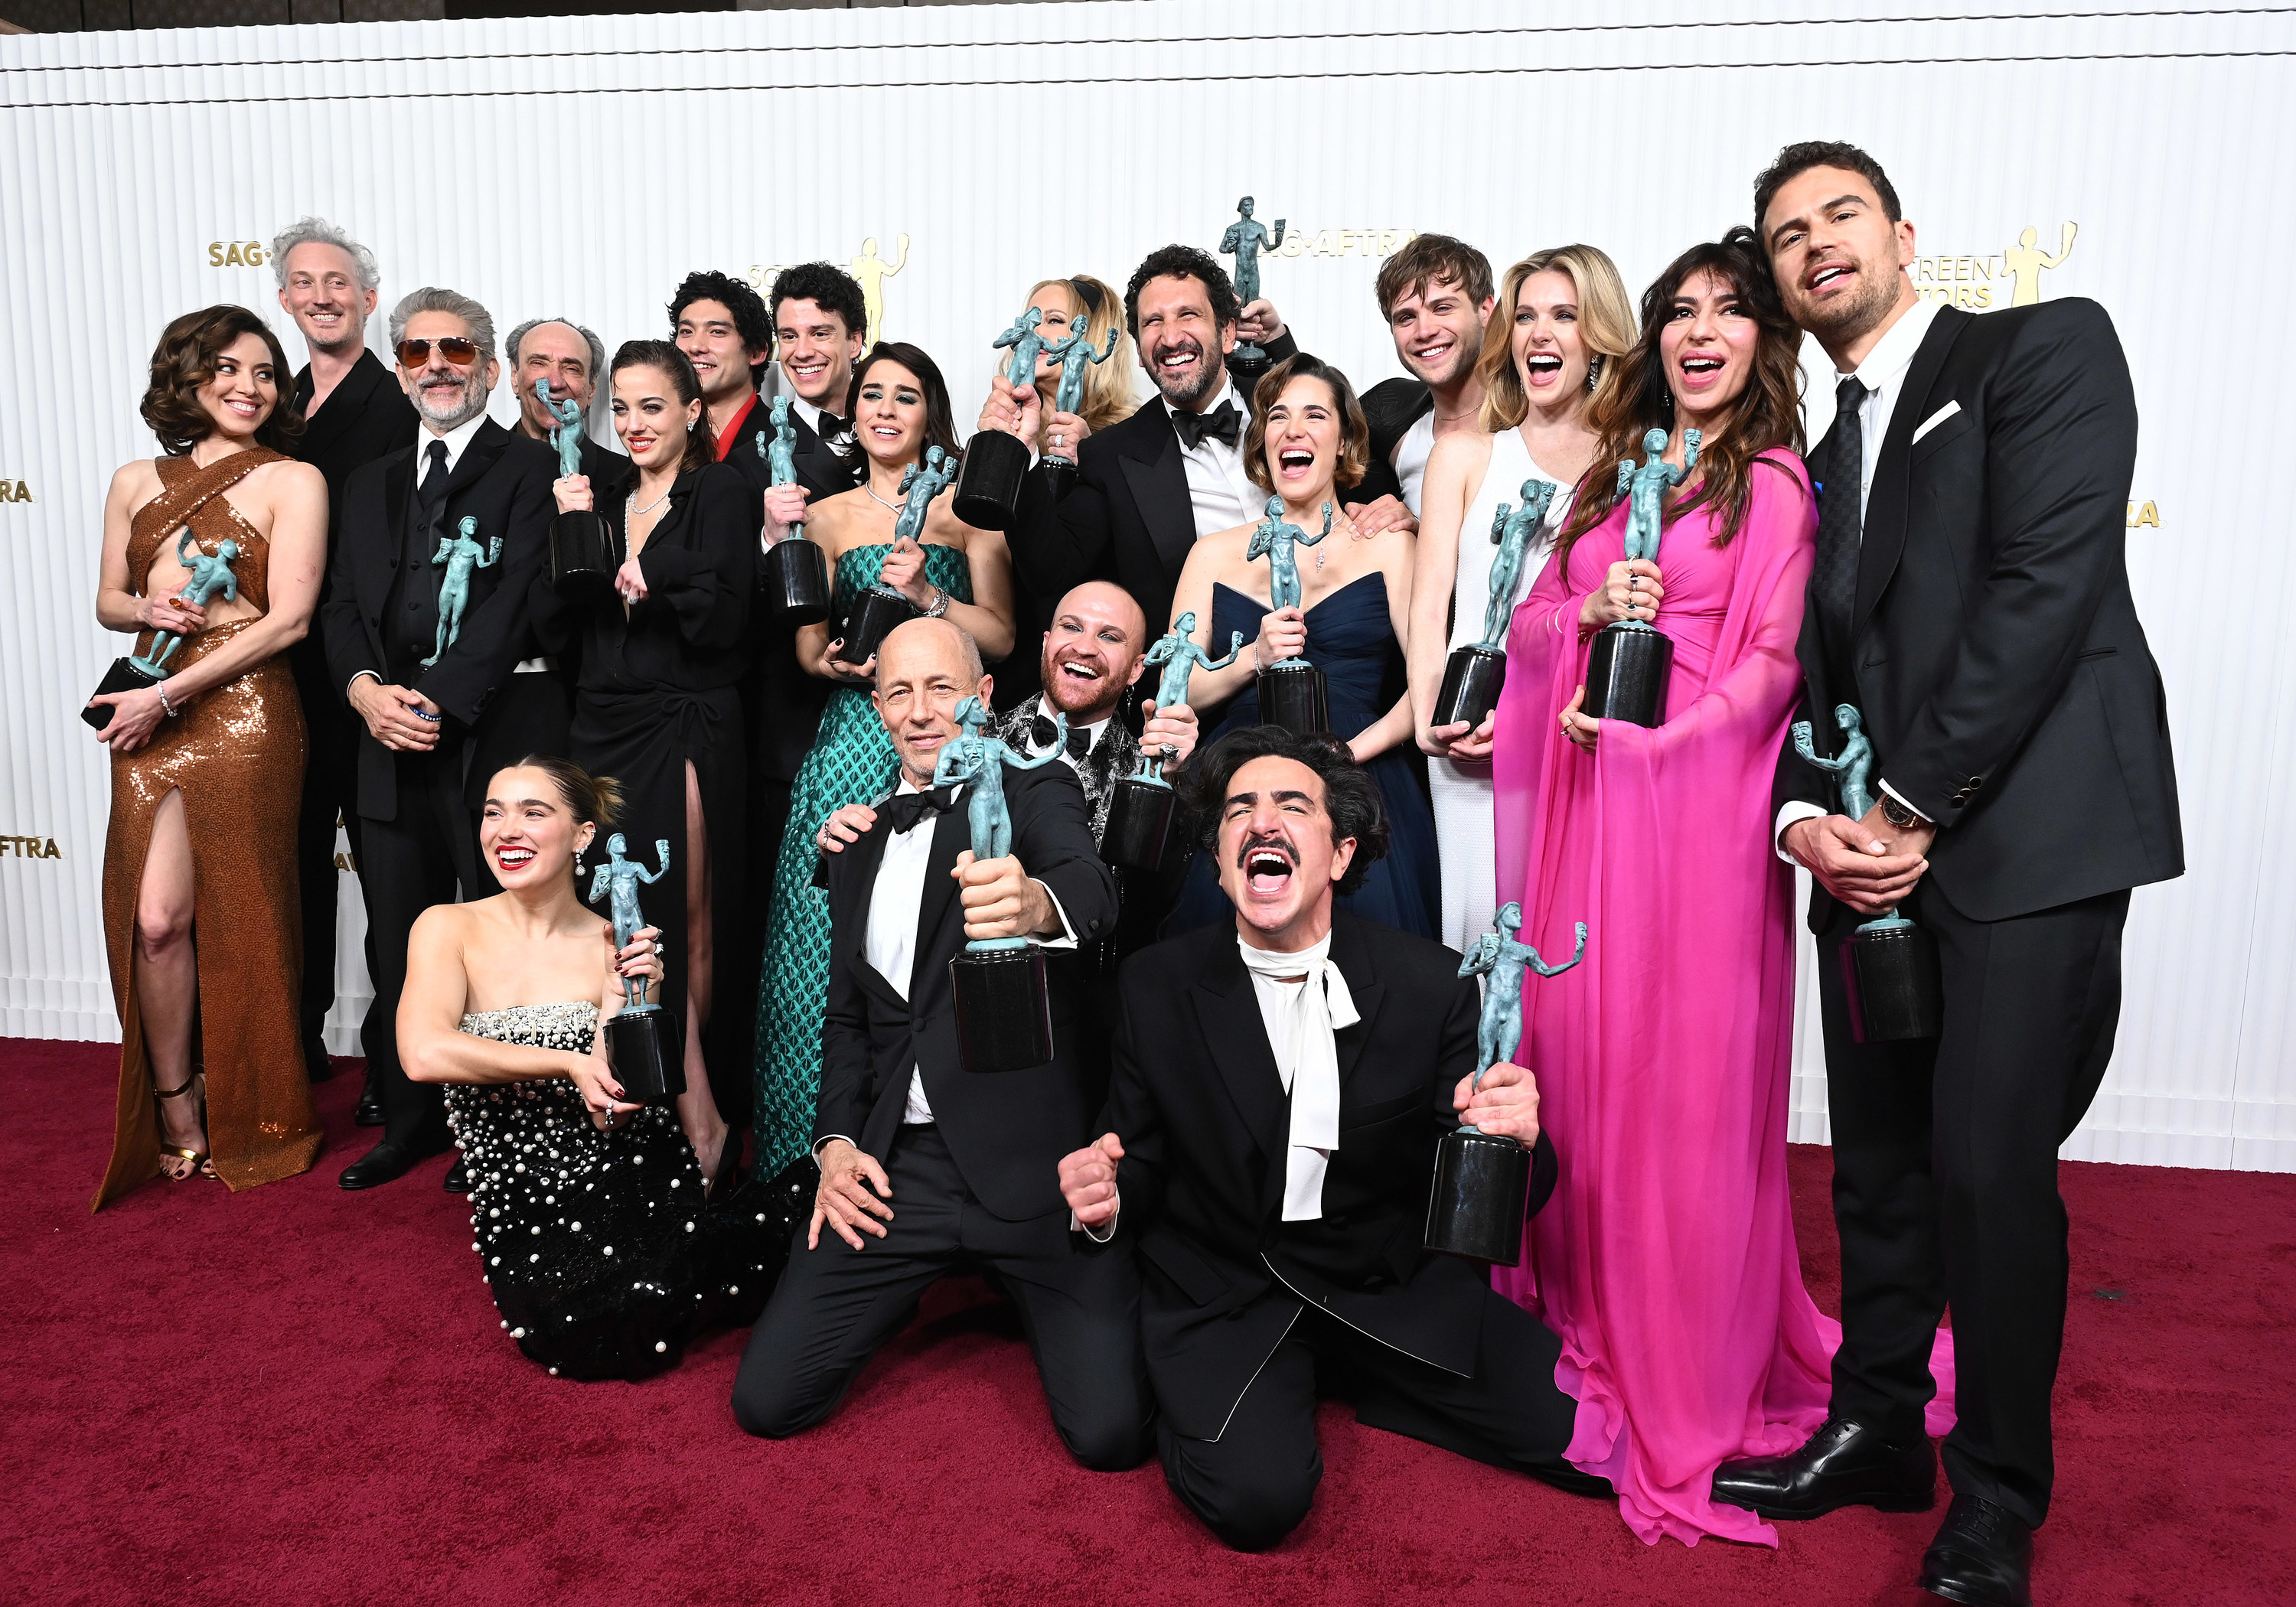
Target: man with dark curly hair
719,322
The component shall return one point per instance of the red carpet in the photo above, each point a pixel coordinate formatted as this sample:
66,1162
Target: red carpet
300,1396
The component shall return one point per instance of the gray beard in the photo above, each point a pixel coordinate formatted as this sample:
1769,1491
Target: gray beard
474,403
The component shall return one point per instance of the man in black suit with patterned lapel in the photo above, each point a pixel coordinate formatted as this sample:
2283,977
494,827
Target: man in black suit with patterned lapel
1971,599
439,720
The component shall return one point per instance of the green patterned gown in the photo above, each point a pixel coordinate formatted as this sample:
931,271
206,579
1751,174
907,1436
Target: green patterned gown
852,761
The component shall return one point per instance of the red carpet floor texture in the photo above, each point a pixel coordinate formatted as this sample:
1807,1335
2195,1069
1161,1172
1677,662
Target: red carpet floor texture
300,1396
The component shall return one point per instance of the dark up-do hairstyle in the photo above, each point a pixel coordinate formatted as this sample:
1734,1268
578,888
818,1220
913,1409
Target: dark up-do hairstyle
594,800
1354,430
1182,262
186,360
1767,413
740,299
829,287
940,419
1351,797
1797,159
700,450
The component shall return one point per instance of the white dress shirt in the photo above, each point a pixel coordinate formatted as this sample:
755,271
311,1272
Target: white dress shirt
1219,492
1092,734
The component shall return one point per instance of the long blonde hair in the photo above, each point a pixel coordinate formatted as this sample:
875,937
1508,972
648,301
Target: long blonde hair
1110,387
1606,326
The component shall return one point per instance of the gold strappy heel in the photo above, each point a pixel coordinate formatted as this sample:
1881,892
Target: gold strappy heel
201,1167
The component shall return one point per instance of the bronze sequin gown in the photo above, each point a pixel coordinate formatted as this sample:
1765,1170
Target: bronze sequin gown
236,756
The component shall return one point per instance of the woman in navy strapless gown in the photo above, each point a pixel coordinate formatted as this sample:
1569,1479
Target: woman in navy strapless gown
1307,440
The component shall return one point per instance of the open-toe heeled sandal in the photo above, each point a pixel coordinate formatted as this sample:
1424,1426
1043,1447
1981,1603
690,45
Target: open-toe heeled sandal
201,1167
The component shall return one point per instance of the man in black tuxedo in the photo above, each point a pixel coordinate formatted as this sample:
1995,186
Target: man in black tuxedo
569,359
1433,295
818,317
1279,1092
945,1169
439,723
1971,599
354,413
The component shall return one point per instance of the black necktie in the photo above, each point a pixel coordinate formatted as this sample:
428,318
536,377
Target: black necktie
1042,730
834,428
430,497
905,810
1841,523
1223,423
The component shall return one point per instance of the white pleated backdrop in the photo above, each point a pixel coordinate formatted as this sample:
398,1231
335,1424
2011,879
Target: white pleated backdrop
581,166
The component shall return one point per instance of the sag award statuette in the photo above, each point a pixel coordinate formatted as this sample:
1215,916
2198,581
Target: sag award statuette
581,544
462,555
1628,667
641,1038
1244,239
1004,1015
211,573
1472,676
988,488
1140,812
1895,995
1076,355
1483,1180
1291,691
880,607
796,574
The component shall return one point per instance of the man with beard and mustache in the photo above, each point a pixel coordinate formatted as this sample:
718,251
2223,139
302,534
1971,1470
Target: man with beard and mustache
439,723
1279,1091
1971,600
1435,294
354,413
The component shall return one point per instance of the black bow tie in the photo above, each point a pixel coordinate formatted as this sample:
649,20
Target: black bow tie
1043,732
833,427
905,810
1224,423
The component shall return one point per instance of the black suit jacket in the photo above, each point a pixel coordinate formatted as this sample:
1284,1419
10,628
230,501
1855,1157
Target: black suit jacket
365,417
1390,408
502,478
1995,654
819,470
1204,1119
1006,1130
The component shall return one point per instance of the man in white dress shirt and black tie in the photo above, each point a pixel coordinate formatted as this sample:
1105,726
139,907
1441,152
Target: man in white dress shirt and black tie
928,1170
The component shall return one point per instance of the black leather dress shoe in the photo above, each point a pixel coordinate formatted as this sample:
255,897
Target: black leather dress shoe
387,1162
370,1108
1983,1555
457,1181
1844,1464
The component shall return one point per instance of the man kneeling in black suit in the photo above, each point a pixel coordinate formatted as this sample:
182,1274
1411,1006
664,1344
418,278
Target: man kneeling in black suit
1277,1095
963,1164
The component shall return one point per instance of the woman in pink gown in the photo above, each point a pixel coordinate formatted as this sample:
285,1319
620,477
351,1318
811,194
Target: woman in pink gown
1667,1260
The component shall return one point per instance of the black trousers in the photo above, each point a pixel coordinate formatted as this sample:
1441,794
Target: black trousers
330,792
408,864
1254,1484
1945,1181
835,1304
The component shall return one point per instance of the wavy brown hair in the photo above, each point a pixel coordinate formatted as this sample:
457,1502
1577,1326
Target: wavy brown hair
184,361
1354,430
1766,414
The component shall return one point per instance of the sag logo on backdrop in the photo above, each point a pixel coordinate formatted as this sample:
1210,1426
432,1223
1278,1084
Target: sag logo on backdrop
869,268
29,848
237,253
1344,242
14,490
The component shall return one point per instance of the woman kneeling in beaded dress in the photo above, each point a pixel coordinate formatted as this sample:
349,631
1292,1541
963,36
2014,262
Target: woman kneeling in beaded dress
603,1250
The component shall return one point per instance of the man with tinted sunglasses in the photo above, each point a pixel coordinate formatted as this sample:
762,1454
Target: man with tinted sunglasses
438,723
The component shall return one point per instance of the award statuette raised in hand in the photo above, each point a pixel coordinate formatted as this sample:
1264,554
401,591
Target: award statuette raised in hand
211,573
581,543
796,575
1629,665
879,608
1004,1014
1895,995
1291,691
1475,674
1244,239
988,486
1483,1180
1140,811
1076,354
641,1038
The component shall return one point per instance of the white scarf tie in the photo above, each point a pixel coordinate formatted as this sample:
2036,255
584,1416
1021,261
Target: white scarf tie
1301,1018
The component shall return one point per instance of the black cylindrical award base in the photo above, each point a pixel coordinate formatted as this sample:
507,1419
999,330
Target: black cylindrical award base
1482,1183
122,677
1004,1016
796,580
1627,673
879,609
581,554
1139,819
1899,996
1060,478
989,483
1471,679
649,1054
1292,695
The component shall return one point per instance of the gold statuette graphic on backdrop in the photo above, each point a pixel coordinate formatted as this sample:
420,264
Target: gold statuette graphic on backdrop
1981,283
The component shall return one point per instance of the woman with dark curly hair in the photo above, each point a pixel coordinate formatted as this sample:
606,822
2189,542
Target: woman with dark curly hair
206,765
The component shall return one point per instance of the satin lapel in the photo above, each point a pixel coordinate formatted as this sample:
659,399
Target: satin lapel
935,906
485,450
1227,1013
867,855
1353,956
1885,502
374,558
1158,482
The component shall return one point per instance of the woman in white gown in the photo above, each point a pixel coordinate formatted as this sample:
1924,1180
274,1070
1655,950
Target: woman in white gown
1566,319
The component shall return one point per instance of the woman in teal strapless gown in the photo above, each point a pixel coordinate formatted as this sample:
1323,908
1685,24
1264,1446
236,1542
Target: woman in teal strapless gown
899,408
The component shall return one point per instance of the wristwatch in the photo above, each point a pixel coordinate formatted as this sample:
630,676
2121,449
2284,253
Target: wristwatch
1899,816
939,605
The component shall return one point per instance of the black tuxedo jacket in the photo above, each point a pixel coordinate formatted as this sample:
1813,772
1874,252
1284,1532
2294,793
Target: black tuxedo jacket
1204,1118
505,481
1006,1130
1390,407
365,417
1995,654
819,470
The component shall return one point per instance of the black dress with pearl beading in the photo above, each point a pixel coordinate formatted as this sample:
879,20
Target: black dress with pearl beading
602,1255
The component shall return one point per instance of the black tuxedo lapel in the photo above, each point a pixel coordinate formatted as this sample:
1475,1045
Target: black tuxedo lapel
1158,483
1228,1011
1353,957
374,558
952,835
485,450
341,409
1885,500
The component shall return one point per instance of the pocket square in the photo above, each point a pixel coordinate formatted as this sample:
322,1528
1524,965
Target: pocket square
1935,418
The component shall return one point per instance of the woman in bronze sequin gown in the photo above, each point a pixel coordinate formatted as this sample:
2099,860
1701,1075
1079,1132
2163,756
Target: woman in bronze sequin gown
199,910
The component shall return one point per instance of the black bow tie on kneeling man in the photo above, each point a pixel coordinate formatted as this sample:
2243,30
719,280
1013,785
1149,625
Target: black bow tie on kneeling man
906,808
1043,733
1223,421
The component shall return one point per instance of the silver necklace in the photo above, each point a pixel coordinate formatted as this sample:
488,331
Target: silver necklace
636,512
893,508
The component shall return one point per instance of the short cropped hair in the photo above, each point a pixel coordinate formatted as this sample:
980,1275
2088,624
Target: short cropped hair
185,360
828,287
1797,159
431,299
1427,259
741,298
1351,798
318,231
1182,262
597,346
1354,430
